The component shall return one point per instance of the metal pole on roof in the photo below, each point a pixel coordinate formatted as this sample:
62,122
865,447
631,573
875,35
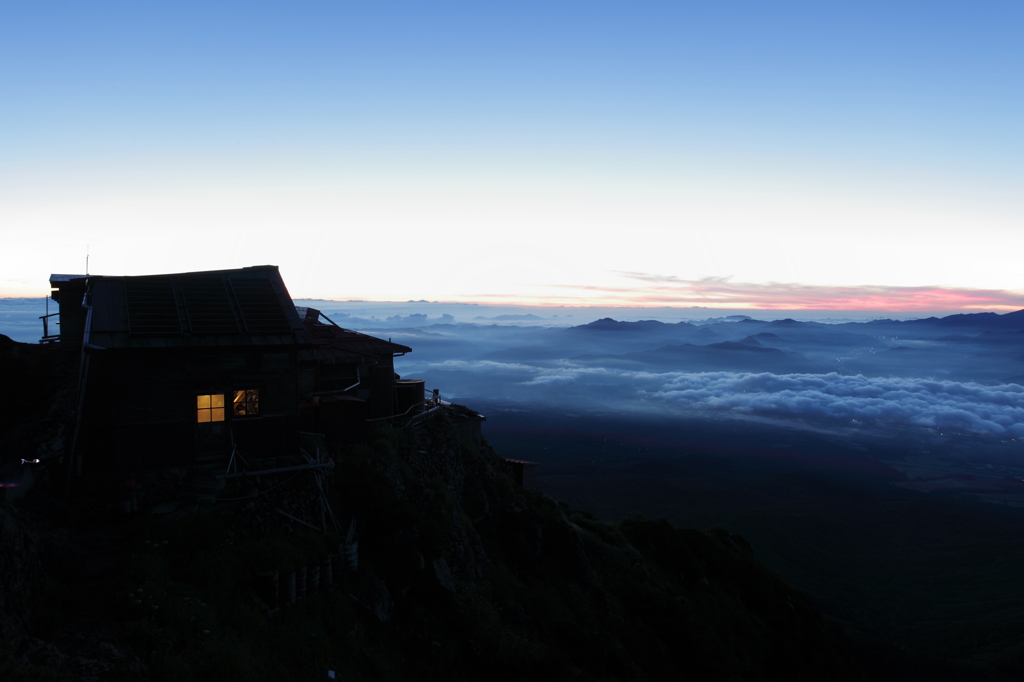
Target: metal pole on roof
75,457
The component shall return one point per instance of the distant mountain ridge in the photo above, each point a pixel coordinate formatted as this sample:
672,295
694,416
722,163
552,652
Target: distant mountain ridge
607,324
721,356
994,321
990,321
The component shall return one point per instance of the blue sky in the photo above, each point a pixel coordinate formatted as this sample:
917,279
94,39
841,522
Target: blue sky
526,151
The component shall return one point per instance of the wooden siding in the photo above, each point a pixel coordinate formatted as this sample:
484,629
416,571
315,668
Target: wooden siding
140,406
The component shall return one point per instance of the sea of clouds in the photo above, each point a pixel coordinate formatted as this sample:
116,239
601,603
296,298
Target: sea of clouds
841,399
883,401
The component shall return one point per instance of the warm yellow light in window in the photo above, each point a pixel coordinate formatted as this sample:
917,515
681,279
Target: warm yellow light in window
210,408
246,403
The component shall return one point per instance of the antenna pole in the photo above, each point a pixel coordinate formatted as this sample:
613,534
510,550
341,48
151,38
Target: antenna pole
87,259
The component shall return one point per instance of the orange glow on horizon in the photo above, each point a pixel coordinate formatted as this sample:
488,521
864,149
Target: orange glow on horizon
723,295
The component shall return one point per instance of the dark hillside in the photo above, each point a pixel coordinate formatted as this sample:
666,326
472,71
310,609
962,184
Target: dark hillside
36,399
453,573
923,581
24,376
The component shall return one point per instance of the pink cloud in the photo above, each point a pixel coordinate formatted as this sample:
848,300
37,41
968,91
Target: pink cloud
720,292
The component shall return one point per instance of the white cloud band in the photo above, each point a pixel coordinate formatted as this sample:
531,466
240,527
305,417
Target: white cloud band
952,405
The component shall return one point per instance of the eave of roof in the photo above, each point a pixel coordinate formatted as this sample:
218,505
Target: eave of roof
345,341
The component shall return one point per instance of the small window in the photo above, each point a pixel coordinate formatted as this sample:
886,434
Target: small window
247,403
210,408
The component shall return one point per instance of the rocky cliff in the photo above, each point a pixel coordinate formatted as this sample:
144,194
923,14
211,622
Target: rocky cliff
452,573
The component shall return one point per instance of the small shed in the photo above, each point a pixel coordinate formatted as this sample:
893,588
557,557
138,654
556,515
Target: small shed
522,471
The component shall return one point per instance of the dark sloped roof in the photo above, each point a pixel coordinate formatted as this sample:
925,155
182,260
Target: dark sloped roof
333,343
248,307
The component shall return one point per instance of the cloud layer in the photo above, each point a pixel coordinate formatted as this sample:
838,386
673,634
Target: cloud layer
881,402
935,404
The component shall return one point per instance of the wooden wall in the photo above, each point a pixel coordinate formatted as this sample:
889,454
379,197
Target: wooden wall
140,406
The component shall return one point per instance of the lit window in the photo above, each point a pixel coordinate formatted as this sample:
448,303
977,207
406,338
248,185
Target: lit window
247,403
210,408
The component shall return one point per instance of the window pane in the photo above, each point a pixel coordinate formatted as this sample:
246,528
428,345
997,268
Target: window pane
218,413
203,416
217,400
246,402
202,401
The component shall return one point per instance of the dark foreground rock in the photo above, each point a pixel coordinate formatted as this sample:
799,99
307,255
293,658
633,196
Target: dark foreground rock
459,575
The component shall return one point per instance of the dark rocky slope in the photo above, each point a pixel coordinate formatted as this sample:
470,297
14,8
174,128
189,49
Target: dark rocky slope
461,576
